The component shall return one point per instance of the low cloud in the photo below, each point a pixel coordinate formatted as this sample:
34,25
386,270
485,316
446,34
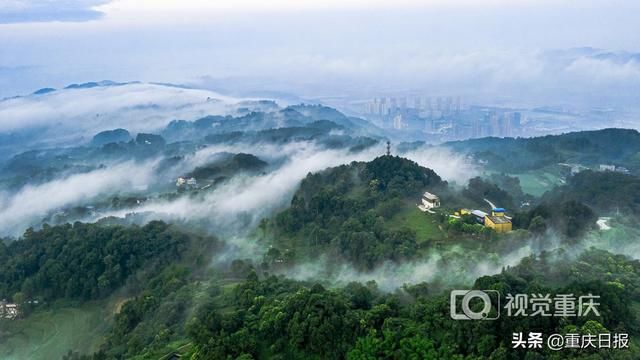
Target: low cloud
605,71
77,114
446,163
457,267
513,77
235,207
32,203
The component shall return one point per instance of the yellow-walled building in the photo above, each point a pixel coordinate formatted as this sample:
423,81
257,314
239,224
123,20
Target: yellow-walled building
462,212
497,221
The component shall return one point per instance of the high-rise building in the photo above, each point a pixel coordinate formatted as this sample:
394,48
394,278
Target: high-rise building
383,109
371,106
476,128
517,120
417,103
398,122
402,103
505,128
448,103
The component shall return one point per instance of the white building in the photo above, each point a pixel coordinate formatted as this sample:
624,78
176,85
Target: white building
188,182
399,123
8,311
429,201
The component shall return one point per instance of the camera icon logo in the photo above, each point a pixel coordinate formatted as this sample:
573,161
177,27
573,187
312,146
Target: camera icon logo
488,299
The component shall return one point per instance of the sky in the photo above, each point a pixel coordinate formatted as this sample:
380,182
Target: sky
322,48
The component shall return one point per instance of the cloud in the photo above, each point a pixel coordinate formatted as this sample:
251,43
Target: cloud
73,115
455,267
449,165
605,71
231,210
234,208
270,152
27,11
473,72
198,7
32,203
340,48
485,65
518,77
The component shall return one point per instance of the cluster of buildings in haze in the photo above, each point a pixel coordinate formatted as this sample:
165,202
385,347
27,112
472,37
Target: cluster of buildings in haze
444,118
426,106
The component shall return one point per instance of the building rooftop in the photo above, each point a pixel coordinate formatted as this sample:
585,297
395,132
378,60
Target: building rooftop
479,213
429,196
498,209
498,219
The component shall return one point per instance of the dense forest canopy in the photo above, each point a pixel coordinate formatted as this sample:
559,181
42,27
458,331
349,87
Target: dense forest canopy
607,191
276,318
170,290
84,261
619,147
344,210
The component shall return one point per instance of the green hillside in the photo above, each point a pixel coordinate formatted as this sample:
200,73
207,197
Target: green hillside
620,147
151,292
349,211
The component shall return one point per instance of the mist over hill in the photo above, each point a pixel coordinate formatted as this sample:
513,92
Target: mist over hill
74,114
319,180
189,226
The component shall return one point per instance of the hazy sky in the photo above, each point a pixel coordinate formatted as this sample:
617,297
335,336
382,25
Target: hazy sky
315,46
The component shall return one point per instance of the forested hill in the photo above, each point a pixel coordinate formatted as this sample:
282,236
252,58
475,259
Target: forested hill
620,147
607,191
87,261
343,210
275,318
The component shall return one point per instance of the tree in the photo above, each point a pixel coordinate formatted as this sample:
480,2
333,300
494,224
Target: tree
538,225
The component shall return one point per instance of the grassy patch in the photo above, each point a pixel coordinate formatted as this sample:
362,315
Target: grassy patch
537,183
50,334
424,224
